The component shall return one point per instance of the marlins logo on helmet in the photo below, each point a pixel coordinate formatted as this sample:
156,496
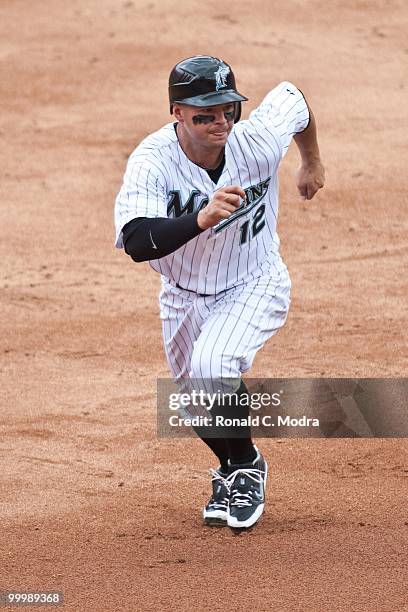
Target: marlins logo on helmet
221,76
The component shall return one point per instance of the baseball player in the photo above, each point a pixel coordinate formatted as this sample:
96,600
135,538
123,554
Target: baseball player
199,201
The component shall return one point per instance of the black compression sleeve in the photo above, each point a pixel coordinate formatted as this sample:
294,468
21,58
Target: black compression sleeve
146,239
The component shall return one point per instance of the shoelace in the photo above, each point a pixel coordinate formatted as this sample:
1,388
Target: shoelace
222,503
237,497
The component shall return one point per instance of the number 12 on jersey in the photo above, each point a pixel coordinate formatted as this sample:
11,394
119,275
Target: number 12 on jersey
257,223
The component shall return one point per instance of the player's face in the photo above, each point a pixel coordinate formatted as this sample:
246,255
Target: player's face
207,126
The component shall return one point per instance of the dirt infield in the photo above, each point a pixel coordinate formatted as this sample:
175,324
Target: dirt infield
92,503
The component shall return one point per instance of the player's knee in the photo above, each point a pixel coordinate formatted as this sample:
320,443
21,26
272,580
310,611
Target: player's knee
199,367
214,367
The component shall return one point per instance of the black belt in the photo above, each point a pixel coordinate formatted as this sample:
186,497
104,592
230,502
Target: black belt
189,290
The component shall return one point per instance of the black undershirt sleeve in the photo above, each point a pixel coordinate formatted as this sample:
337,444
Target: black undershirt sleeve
146,238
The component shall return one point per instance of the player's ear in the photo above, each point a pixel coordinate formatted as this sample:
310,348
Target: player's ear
177,112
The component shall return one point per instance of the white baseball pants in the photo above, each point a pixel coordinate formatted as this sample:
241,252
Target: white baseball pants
218,336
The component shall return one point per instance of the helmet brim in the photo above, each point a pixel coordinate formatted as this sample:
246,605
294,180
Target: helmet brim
213,98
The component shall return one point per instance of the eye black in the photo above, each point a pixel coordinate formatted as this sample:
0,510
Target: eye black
203,119
206,119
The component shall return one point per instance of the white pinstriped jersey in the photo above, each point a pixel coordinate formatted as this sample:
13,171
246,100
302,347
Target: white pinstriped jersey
160,181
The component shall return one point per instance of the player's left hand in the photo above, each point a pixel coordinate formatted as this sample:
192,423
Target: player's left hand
309,179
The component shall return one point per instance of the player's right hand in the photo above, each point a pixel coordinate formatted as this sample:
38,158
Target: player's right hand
224,202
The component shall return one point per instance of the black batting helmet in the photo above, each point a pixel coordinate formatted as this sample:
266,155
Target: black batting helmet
204,81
